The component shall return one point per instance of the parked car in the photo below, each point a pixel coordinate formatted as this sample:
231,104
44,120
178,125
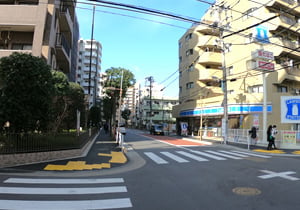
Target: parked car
157,129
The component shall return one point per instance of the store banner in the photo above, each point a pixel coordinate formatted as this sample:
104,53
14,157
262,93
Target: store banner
290,109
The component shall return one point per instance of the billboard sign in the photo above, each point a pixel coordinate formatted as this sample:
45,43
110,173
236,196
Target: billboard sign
290,109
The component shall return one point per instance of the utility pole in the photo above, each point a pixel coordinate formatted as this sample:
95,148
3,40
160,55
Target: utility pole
223,48
150,79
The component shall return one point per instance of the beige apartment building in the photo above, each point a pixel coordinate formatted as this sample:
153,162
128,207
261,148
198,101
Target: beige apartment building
257,42
42,27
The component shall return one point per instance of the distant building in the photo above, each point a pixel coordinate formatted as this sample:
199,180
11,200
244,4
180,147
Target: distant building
89,68
158,108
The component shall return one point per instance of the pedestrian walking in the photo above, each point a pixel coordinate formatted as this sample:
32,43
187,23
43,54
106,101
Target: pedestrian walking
105,128
253,135
274,132
269,137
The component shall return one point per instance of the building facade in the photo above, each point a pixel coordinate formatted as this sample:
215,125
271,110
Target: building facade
156,109
89,69
247,52
41,27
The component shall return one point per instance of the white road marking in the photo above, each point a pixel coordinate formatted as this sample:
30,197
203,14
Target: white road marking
61,191
175,157
155,158
195,157
224,155
284,175
233,153
66,205
208,155
252,154
64,181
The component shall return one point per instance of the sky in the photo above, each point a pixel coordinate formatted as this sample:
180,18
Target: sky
141,44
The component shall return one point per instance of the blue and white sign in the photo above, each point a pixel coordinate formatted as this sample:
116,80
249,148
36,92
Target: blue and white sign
290,109
261,34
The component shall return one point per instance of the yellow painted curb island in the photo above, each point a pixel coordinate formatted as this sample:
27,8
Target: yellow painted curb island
76,165
116,157
296,152
269,151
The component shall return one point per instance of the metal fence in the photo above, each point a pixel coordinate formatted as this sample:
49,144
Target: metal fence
11,143
285,139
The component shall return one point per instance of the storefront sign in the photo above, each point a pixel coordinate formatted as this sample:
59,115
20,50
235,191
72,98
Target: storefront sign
264,66
184,130
289,137
261,34
290,109
262,54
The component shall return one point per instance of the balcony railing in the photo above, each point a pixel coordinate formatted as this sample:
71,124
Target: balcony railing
62,42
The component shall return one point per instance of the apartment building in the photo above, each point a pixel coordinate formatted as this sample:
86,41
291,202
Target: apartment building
131,102
89,68
41,27
159,105
253,47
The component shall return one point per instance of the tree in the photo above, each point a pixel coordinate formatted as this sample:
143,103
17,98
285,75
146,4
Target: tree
94,116
69,97
26,92
76,102
113,85
126,114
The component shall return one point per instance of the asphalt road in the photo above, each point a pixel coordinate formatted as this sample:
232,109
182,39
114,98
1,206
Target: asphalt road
164,174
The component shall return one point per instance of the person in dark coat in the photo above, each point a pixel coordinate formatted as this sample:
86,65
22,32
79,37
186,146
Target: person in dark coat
253,134
269,137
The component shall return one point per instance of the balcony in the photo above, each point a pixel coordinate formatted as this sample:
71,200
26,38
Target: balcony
212,58
206,75
208,27
65,21
206,41
16,14
288,73
292,48
286,22
285,5
62,53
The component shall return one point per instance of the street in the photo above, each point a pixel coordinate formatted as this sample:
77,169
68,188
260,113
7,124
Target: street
164,175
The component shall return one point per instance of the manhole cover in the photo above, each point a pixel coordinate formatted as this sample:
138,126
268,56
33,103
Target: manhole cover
246,191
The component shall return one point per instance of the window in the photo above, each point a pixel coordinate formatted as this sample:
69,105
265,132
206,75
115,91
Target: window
180,45
191,68
189,52
230,70
282,89
180,89
188,37
180,59
189,85
230,91
21,47
180,74
255,89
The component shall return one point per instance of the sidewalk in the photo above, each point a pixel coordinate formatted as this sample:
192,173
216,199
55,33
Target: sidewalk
254,148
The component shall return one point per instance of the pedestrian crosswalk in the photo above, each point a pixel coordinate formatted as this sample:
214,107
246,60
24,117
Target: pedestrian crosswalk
165,157
62,193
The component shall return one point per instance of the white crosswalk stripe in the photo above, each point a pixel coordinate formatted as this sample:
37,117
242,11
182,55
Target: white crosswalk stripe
224,155
209,155
156,158
33,191
206,155
175,157
195,157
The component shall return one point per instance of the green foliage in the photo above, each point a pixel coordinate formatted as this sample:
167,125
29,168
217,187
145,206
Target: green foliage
126,114
26,92
94,116
113,85
69,97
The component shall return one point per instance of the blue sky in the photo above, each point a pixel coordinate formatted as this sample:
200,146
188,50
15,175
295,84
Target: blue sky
145,48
